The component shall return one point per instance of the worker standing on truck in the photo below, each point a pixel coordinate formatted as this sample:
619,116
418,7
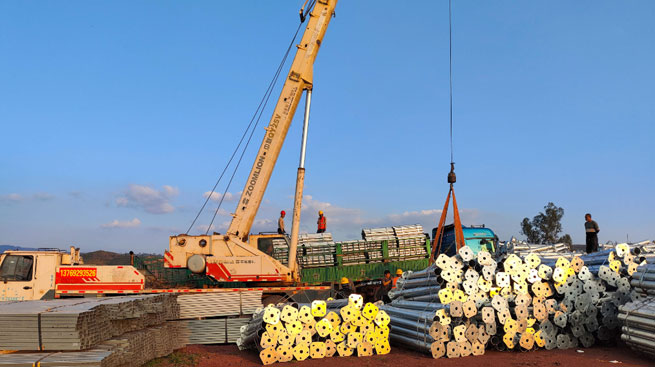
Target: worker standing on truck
399,273
345,289
321,222
280,223
385,287
591,229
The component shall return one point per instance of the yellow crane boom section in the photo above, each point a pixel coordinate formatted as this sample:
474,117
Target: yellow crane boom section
300,78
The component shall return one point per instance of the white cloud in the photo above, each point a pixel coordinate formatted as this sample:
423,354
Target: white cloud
122,224
43,196
13,197
216,196
76,194
220,227
149,199
206,228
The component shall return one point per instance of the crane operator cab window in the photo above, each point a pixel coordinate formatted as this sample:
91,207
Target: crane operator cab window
265,245
16,268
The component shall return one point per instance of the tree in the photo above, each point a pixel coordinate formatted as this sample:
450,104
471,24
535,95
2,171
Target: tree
545,226
529,231
566,239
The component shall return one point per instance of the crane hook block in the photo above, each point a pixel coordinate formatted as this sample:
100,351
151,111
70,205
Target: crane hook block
451,175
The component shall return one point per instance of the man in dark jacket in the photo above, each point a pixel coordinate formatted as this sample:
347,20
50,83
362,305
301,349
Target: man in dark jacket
385,287
591,230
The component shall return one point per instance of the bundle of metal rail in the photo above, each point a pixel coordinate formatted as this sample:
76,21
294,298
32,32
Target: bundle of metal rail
317,330
524,248
318,250
465,303
216,317
115,331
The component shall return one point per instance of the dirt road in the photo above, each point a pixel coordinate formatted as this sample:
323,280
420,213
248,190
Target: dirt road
619,356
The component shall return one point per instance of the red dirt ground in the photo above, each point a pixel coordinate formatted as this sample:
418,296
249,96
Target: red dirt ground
230,356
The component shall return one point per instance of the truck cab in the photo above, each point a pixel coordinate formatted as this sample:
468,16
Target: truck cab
477,237
29,275
53,273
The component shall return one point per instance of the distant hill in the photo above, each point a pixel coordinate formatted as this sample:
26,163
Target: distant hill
4,248
111,258
93,258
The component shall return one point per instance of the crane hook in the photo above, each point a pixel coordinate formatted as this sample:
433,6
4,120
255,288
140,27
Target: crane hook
451,175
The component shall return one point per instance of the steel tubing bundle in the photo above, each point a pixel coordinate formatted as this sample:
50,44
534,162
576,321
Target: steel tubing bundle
421,316
321,329
413,292
638,329
410,342
411,324
417,282
417,305
429,271
518,303
643,279
424,298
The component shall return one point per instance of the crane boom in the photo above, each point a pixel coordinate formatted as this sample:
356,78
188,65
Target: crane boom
239,256
300,78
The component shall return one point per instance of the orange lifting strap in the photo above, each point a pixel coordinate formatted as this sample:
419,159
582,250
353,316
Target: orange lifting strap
459,234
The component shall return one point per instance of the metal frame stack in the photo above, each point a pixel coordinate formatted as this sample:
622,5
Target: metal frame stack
320,251
89,332
463,304
216,317
318,330
316,250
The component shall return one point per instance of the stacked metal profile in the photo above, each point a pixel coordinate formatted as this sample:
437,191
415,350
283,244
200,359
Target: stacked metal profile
216,317
281,250
638,317
466,303
316,250
103,332
361,252
318,330
392,233
319,250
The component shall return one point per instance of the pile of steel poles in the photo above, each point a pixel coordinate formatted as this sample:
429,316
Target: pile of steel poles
638,317
321,329
465,303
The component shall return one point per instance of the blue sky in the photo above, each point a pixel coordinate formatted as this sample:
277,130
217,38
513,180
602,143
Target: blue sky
118,116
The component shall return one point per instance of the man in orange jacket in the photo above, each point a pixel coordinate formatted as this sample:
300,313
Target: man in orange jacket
399,273
321,222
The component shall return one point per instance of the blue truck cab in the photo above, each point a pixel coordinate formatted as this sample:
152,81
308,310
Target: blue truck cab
476,237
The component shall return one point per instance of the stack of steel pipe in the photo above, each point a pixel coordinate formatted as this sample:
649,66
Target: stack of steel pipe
638,329
524,248
321,329
643,280
477,302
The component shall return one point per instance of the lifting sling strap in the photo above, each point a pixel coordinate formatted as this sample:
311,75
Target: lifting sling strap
459,234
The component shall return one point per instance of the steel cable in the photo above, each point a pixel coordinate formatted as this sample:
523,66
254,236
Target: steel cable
255,118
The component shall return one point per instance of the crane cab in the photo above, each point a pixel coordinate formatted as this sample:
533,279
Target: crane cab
227,259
